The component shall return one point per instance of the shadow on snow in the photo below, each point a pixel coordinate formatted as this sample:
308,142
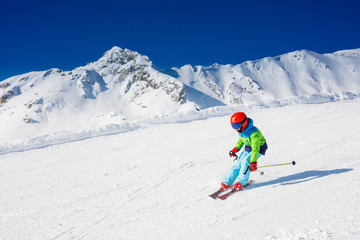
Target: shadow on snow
302,177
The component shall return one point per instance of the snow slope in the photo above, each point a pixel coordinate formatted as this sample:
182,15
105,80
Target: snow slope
153,182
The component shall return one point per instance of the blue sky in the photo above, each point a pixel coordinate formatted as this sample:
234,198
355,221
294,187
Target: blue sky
39,35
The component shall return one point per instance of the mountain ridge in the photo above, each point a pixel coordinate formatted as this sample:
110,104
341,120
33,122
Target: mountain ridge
300,74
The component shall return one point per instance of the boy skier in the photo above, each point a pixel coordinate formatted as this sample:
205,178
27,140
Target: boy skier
255,147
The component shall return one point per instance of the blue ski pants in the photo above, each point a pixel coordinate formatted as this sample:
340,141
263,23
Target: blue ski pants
238,171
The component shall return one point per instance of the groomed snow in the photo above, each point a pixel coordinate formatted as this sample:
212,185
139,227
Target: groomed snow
153,182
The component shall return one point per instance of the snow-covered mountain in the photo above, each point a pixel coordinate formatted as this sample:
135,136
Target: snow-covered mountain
121,80
296,77
124,88
120,85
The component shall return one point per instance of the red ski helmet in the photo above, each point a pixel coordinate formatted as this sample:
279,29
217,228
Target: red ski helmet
239,121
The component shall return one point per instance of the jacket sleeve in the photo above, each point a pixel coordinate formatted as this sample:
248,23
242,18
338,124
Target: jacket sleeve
255,146
239,144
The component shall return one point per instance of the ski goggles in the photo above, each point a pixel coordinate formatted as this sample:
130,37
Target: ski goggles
236,125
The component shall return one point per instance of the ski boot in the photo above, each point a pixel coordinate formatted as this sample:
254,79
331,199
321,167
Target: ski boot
224,186
237,186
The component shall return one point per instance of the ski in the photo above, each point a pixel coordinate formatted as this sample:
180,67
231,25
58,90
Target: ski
226,195
215,194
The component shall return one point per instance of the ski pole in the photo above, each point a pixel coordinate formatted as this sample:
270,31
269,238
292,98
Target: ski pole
281,164
262,173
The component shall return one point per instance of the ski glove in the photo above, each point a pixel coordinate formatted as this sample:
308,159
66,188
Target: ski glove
253,166
232,152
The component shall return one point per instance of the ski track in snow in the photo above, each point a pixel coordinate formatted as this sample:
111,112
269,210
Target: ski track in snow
154,182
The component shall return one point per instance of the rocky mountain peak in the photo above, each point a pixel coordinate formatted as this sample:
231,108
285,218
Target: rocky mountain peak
124,56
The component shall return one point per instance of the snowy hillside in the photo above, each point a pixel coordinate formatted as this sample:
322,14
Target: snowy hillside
296,77
120,85
153,182
124,90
